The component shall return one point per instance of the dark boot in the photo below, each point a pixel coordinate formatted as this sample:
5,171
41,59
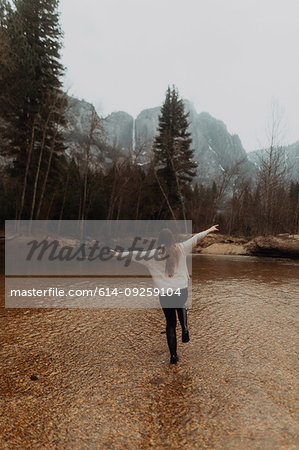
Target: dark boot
170,315
174,359
185,336
182,314
171,340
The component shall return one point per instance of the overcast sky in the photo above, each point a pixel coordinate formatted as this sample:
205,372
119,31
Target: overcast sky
229,57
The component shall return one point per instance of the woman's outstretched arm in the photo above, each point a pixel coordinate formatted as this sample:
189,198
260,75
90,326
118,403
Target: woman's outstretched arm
192,242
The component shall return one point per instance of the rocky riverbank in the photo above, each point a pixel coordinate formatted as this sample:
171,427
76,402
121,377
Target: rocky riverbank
282,245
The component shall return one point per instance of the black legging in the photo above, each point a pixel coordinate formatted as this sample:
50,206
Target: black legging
170,315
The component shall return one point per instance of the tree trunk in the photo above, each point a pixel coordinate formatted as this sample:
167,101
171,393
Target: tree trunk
27,171
39,165
165,196
46,176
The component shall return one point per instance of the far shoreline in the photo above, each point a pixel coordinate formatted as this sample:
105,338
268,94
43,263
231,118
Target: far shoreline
281,246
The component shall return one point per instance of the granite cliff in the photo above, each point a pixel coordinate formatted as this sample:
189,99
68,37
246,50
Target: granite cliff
215,149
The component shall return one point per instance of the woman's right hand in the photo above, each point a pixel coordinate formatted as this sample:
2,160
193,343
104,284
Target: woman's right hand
213,228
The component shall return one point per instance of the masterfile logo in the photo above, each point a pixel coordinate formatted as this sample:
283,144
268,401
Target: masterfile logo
95,252
97,255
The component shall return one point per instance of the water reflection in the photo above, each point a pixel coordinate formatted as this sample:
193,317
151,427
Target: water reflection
103,377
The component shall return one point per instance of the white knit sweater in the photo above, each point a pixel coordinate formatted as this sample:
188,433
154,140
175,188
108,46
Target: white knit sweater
157,268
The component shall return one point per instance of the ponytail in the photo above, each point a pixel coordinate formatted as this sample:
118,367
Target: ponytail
172,250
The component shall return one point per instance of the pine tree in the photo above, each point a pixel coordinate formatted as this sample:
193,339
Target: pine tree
173,157
31,103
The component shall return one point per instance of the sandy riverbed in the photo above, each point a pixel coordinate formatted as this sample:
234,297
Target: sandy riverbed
101,378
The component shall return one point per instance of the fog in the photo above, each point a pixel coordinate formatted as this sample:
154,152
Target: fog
230,58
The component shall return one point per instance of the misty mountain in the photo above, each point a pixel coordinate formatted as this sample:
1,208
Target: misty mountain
215,149
118,127
289,159
80,115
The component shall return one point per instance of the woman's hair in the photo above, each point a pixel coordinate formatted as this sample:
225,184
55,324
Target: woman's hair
167,243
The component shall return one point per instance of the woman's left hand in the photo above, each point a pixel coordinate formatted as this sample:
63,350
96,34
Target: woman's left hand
213,228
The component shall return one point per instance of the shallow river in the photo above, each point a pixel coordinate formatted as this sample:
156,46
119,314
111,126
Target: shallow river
101,378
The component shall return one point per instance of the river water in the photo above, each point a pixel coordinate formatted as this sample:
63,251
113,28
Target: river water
101,378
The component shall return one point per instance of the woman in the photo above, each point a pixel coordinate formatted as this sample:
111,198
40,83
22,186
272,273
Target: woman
170,273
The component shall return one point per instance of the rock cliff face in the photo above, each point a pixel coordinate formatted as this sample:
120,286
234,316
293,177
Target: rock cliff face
113,132
80,115
146,127
119,130
215,149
